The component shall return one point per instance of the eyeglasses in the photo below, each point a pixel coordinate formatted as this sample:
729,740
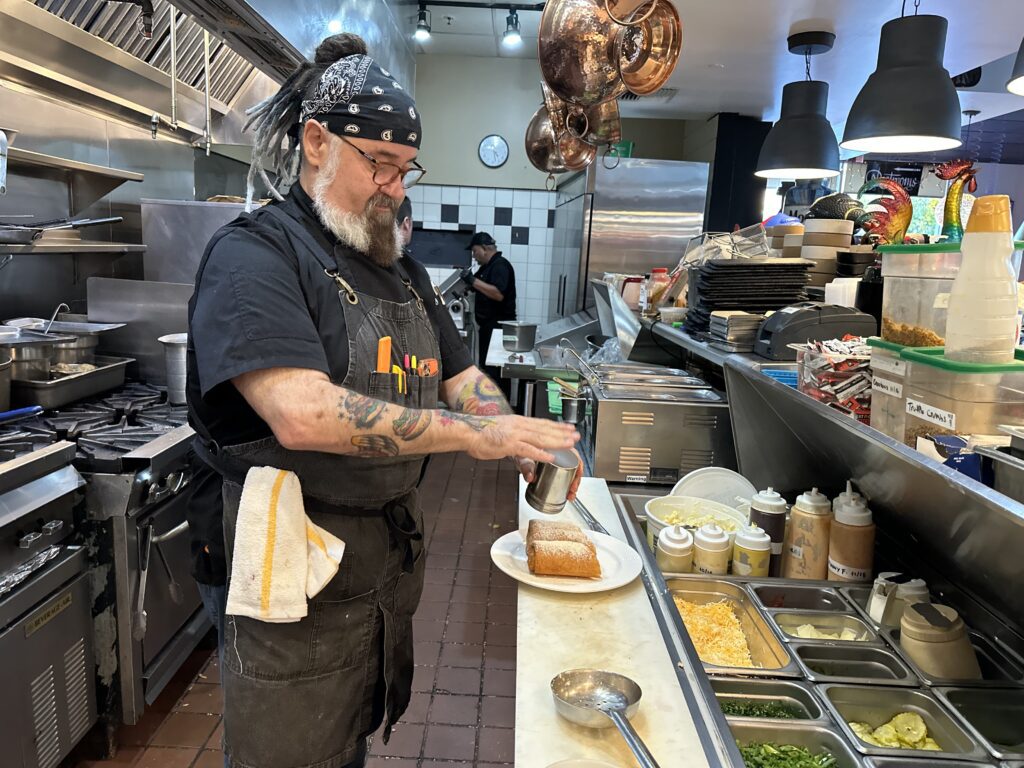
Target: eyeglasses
386,173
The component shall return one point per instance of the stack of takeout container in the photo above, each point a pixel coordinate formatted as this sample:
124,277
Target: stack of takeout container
734,331
822,241
777,238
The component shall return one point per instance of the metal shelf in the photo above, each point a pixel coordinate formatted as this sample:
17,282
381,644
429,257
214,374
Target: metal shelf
85,246
23,157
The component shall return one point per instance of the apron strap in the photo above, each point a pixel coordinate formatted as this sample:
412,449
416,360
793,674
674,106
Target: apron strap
400,521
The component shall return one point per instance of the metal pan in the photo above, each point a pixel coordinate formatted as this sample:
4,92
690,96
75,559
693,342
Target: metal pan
597,699
998,668
812,736
851,663
798,696
789,623
773,596
995,717
875,706
18,234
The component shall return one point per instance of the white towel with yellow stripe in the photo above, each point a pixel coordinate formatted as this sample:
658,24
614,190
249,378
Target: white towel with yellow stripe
280,557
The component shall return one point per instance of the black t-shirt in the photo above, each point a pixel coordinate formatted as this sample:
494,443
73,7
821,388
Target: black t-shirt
254,308
499,273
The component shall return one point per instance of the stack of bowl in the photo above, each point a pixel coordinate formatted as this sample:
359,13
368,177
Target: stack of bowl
823,239
854,260
778,238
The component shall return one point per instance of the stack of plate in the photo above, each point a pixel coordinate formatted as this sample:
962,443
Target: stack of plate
748,285
854,260
734,330
822,240
777,234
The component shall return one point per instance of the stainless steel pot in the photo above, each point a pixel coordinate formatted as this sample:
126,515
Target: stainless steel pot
518,336
81,350
573,409
5,382
175,345
550,487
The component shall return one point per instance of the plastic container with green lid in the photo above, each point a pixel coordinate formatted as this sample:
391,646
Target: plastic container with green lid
949,397
889,374
915,295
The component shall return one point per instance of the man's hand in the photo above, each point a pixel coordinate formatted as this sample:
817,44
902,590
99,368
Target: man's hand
518,436
467,277
528,469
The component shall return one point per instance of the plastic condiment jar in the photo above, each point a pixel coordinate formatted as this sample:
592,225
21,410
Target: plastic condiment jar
851,542
768,512
674,553
890,595
805,555
936,639
752,552
712,550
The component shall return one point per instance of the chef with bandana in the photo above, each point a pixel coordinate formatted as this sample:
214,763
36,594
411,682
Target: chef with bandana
289,306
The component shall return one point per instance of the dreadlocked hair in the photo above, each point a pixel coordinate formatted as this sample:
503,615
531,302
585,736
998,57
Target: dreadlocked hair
275,121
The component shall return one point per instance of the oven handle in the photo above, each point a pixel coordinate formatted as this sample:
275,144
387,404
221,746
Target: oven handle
175,482
176,531
145,545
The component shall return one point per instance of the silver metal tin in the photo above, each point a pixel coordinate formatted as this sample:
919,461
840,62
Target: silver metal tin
995,717
875,706
788,621
812,736
108,374
853,663
550,488
798,598
999,668
800,696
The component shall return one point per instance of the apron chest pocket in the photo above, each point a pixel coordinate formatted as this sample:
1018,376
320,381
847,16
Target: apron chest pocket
384,386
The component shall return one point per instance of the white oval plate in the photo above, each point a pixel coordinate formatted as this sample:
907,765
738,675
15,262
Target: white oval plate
619,564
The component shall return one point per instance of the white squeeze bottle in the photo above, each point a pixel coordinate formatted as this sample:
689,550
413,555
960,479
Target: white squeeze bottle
981,326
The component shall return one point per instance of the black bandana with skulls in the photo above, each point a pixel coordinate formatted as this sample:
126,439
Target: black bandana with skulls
357,97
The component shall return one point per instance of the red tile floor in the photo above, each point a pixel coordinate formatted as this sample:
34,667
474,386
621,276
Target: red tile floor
463,703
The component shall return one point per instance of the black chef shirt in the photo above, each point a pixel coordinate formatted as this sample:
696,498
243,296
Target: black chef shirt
251,314
499,273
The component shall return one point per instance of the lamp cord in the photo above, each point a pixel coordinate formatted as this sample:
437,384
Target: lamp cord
903,8
807,62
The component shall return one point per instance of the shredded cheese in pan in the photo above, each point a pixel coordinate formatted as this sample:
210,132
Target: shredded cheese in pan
716,633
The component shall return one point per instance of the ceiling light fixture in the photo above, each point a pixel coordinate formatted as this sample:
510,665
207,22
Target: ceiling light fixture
802,144
909,103
334,26
1016,83
422,33
511,38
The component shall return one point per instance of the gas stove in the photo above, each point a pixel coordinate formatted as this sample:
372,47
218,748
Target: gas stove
107,430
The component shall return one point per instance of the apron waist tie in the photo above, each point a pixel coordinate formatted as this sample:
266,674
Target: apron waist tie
402,524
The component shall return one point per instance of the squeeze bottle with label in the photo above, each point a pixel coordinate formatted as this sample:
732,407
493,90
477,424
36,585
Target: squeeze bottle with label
805,555
981,326
752,552
768,512
712,550
674,553
851,541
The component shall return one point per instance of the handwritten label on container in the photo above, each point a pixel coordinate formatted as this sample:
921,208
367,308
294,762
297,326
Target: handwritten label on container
931,414
888,365
847,572
941,301
886,387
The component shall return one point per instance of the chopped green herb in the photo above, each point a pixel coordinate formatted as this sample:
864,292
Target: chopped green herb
772,709
784,756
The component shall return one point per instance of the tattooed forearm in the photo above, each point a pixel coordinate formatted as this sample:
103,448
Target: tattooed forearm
483,398
474,422
361,410
375,446
411,423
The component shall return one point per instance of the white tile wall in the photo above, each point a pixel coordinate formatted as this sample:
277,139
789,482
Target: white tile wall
533,261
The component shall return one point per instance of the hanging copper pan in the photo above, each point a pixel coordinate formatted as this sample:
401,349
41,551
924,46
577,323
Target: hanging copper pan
541,145
578,50
649,51
624,12
576,153
599,125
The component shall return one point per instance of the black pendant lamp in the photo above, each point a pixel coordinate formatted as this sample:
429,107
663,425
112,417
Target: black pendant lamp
802,144
909,104
1016,82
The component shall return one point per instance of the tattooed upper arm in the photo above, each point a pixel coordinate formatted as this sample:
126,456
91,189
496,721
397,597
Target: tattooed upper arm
481,396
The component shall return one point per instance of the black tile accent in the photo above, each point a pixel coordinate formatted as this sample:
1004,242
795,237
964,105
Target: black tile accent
503,217
520,235
417,224
467,228
551,218
450,214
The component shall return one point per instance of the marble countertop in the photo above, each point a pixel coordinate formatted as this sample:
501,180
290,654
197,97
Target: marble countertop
616,631
497,355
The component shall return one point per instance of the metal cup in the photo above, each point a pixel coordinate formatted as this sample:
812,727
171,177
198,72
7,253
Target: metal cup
573,409
550,487
174,355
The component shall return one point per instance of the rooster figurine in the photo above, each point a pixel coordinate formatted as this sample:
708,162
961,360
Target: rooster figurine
887,227
961,173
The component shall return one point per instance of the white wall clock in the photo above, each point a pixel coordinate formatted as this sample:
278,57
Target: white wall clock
493,151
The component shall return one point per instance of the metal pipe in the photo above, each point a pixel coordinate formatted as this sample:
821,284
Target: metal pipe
208,137
173,15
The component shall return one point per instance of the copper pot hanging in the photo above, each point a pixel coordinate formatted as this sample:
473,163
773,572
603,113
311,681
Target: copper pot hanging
600,124
579,51
541,144
648,52
576,153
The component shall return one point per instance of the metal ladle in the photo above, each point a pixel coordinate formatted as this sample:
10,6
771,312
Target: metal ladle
597,699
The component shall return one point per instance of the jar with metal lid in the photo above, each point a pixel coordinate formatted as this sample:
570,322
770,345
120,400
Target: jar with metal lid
936,639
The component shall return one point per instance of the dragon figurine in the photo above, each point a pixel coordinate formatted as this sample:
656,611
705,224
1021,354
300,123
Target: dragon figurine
961,173
887,227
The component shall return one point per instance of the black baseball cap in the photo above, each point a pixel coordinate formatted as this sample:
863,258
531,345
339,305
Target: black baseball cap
480,238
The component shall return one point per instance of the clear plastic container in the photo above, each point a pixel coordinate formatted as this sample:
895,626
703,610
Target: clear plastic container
657,285
948,397
888,377
915,294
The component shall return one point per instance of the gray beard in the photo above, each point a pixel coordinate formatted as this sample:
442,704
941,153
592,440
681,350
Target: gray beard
373,233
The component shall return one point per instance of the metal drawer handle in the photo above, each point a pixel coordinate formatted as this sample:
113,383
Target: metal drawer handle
52,527
29,539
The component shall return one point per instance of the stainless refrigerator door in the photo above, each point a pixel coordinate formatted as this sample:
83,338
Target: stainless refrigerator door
570,239
644,214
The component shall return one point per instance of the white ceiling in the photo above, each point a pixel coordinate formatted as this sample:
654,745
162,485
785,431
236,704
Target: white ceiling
734,56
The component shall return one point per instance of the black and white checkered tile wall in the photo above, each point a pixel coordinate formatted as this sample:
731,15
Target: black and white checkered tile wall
520,220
